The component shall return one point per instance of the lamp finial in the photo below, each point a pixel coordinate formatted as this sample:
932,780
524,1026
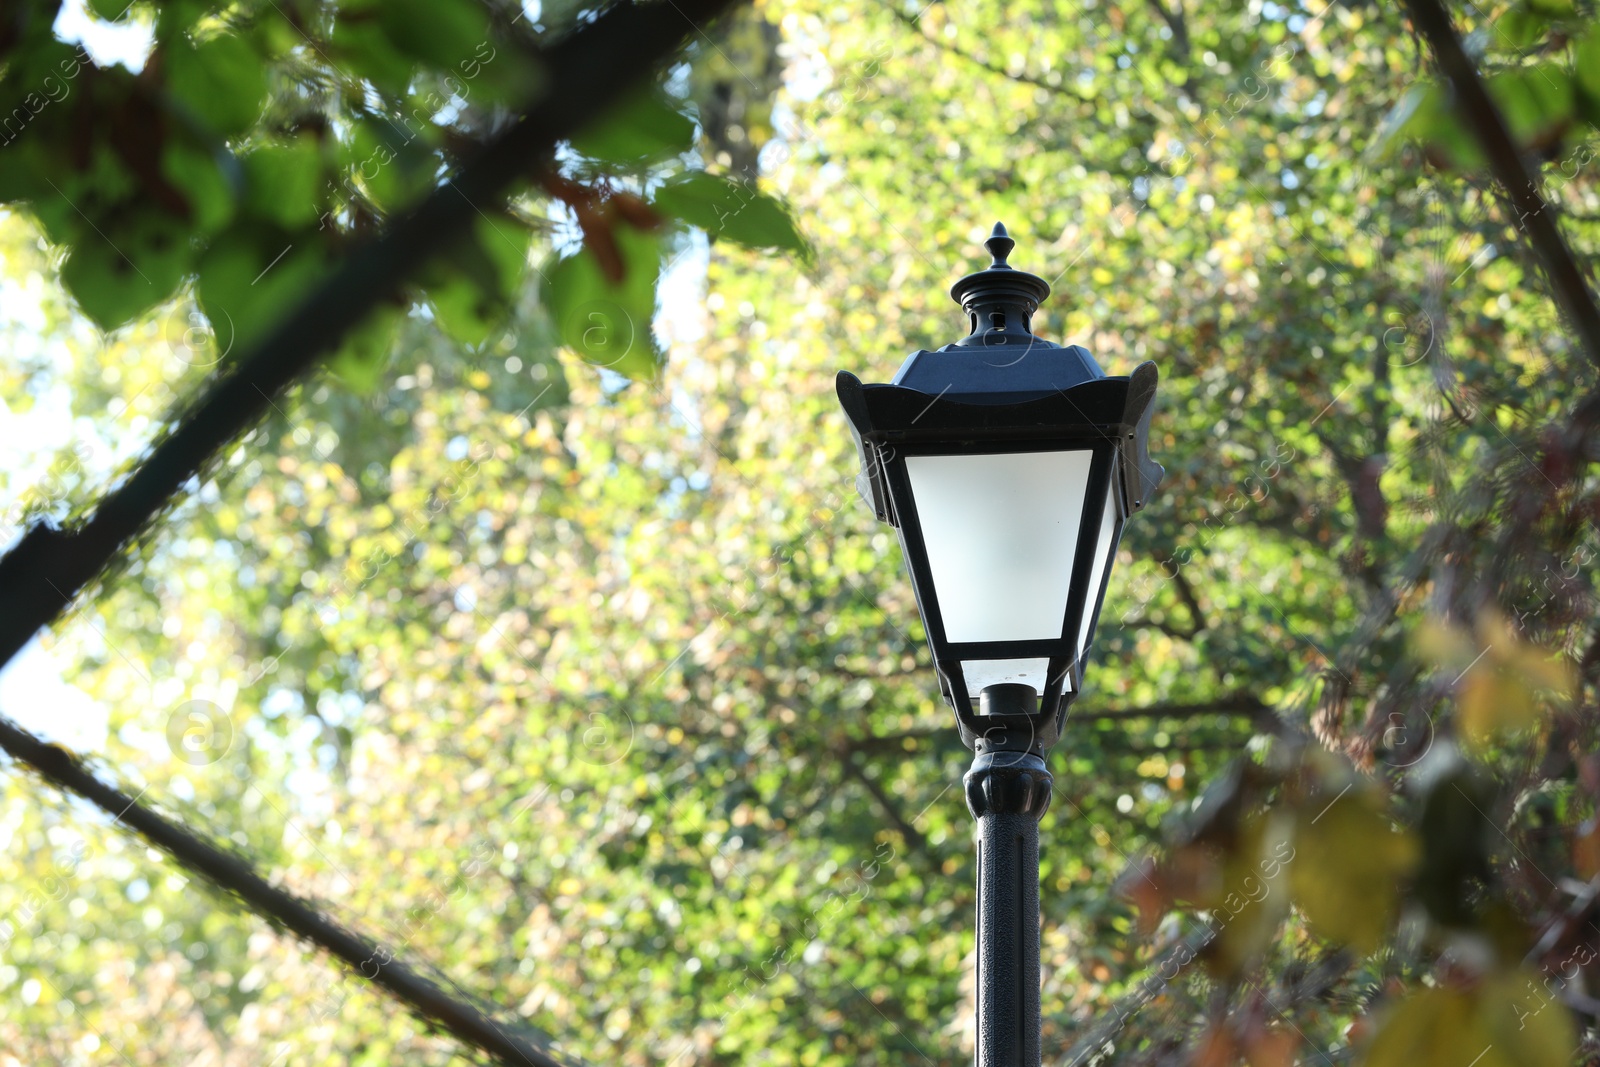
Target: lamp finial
1000,299
999,245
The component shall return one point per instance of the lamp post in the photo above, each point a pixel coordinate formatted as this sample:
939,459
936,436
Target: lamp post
1009,465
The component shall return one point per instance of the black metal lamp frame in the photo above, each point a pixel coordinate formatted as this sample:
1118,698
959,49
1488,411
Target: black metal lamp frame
1002,390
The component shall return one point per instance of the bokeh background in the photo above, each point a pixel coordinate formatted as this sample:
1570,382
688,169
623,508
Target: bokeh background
568,666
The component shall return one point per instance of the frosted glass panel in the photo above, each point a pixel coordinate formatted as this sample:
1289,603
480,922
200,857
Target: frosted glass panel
1001,531
982,672
1102,560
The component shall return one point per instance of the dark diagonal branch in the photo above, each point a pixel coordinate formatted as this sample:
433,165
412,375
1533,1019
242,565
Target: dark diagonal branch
913,837
1567,448
936,737
1535,217
584,73
1177,633
1186,593
1059,88
1176,22
1362,477
511,1043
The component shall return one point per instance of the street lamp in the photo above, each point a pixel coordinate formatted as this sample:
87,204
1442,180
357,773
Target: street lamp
1009,465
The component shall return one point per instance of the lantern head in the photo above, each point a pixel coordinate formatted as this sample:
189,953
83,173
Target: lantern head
1008,465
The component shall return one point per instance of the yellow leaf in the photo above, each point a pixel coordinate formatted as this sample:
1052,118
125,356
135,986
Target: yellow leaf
1250,898
1493,701
1431,1026
1347,867
1439,642
1586,848
1506,1021
1526,1022
1501,677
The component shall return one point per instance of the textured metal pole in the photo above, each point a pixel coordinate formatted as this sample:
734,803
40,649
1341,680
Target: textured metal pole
1007,792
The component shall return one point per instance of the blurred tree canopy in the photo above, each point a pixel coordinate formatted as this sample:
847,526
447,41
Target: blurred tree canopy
541,636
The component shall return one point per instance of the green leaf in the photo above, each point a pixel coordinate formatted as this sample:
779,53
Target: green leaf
390,165
129,269
365,353
221,81
463,310
504,243
253,274
609,325
642,129
1400,123
440,32
211,194
1535,101
492,74
65,206
1521,27
110,10
360,44
1586,62
478,281
23,166
284,182
178,16
1424,115
735,210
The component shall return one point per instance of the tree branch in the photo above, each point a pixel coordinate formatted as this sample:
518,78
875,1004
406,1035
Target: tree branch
1244,704
1174,632
1361,476
512,1043
1197,617
913,837
1060,88
1176,22
911,23
1536,217
586,72
939,735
